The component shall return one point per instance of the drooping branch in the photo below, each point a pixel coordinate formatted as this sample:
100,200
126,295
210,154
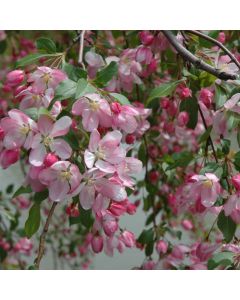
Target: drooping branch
217,43
197,62
41,247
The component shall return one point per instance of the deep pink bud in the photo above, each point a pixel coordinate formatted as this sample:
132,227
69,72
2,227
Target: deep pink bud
161,247
153,176
110,227
117,208
15,77
236,181
130,139
187,224
206,96
165,103
146,38
144,55
9,157
1,133
128,238
131,209
185,92
221,37
116,107
183,118
50,159
97,244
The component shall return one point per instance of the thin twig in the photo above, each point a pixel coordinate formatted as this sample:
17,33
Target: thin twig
81,47
198,63
41,247
217,43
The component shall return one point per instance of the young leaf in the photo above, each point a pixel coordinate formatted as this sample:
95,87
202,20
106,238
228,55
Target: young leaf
33,222
66,89
45,44
22,190
106,74
74,73
120,98
224,259
31,58
83,88
163,90
146,236
226,226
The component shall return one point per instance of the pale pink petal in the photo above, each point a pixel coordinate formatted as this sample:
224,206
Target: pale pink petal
37,155
87,196
79,106
61,148
45,125
111,139
105,166
111,190
90,120
58,190
94,140
89,159
61,127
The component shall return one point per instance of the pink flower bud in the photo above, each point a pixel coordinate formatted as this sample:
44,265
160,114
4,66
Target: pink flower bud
183,118
97,244
146,38
153,176
22,202
131,209
1,133
130,139
116,107
161,247
221,37
149,265
165,103
128,238
187,224
110,227
144,55
153,151
185,92
50,159
236,181
206,96
117,208
15,77
9,157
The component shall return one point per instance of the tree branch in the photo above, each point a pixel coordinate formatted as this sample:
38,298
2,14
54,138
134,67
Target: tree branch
198,63
217,43
41,247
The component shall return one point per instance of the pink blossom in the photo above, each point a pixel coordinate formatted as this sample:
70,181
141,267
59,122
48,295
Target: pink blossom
63,180
207,187
22,202
94,110
128,167
144,55
232,204
19,130
187,224
46,139
30,98
183,118
124,117
44,78
206,96
146,37
236,181
105,152
95,62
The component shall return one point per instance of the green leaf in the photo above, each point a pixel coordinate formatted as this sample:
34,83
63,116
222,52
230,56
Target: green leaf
3,254
9,189
146,236
106,74
65,90
34,112
220,96
142,154
83,88
163,90
74,73
120,98
225,146
181,159
46,45
226,226
149,248
33,222
223,259
191,107
237,161
22,190
3,46
40,196
31,58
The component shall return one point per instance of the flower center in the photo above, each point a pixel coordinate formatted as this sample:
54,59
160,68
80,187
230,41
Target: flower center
94,105
65,175
46,77
47,141
24,129
207,183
